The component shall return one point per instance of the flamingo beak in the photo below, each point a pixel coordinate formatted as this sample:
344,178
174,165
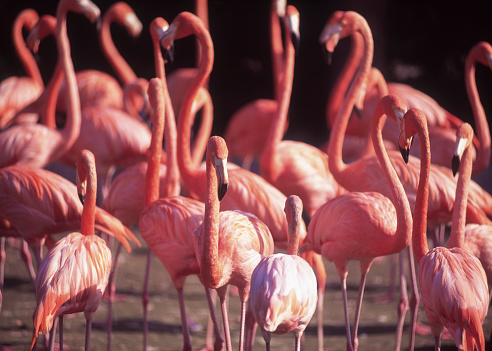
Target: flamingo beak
222,176
405,153
327,55
167,42
455,164
81,198
458,152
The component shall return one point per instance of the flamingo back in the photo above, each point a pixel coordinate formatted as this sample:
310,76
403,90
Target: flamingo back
283,294
455,294
478,241
72,278
15,93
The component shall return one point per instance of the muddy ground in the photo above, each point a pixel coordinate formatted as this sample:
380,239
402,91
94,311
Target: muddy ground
377,327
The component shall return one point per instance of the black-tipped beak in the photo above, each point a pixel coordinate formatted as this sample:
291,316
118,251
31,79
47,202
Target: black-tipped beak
81,198
296,41
327,55
169,54
405,153
358,112
222,190
98,23
455,164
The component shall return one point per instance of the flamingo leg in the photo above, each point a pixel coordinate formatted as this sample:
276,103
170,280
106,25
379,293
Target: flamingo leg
414,300
244,305
320,317
210,326
219,341
355,340
403,304
298,343
88,328
111,293
60,342
3,257
26,257
184,321
390,294
345,307
51,339
251,326
222,292
145,300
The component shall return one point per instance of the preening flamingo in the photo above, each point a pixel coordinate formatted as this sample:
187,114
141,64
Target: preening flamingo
363,225
228,244
452,281
73,276
17,92
283,286
167,223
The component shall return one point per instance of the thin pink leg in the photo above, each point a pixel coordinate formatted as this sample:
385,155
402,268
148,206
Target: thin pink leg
243,323
222,292
60,342
250,332
26,257
362,285
298,343
345,307
403,304
219,341
320,318
3,257
414,299
88,328
184,321
145,300
111,293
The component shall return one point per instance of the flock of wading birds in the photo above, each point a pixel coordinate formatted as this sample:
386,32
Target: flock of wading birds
228,221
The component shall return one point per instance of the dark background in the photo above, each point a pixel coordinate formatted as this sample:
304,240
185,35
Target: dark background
431,38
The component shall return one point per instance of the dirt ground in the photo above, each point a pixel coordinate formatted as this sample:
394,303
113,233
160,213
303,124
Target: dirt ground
377,326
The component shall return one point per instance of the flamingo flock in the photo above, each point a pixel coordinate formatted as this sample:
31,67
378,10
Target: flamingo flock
249,209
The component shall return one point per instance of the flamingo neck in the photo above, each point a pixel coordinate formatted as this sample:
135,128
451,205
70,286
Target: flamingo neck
276,49
173,186
193,177
294,231
71,129
27,18
403,234
419,236
89,209
339,89
209,267
152,180
117,62
270,163
482,160
457,235
336,164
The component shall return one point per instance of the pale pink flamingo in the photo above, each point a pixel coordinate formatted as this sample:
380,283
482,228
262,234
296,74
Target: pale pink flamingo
246,132
167,223
17,92
75,272
363,225
442,124
283,286
452,281
228,244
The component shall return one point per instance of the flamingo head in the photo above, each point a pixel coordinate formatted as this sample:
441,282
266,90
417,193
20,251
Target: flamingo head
414,121
45,26
126,17
292,25
85,7
464,137
217,152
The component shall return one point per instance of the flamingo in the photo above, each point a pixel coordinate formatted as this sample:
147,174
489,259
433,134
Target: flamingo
16,92
228,244
283,286
442,124
246,132
167,223
363,225
452,282
73,276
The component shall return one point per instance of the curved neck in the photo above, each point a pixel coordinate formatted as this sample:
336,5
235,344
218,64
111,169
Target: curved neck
294,219
339,89
118,63
457,235
71,129
482,160
152,180
193,177
403,232
209,266
270,167
276,48
89,208
419,231
336,164
203,103
28,19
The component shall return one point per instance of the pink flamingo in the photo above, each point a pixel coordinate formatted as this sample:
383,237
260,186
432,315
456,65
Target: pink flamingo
442,124
336,229
283,286
17,92
228,244
73,276
246,130
452,281
167,223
